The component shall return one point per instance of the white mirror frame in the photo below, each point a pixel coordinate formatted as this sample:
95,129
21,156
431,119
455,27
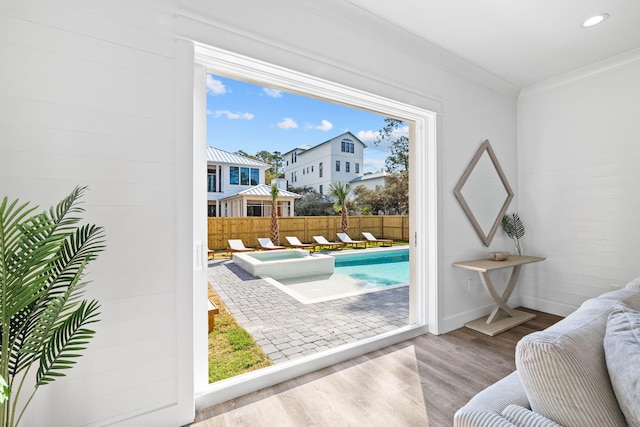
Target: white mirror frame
486,238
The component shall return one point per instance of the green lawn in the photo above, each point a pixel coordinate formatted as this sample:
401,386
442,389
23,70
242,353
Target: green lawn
232,350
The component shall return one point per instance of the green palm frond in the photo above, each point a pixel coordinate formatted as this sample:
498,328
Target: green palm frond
512,225
67,340
81,246
25,261
66,207
19,332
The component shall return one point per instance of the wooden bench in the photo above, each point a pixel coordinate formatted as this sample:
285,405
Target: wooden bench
213,310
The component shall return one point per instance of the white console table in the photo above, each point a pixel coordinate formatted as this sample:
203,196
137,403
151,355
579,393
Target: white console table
502,317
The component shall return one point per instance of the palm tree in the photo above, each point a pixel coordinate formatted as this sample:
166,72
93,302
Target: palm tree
340,191
275,227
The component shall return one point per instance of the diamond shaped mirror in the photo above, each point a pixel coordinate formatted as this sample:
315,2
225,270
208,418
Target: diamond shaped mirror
484,193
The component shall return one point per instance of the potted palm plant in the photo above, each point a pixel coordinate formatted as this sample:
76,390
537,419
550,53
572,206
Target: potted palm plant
512,225
43,318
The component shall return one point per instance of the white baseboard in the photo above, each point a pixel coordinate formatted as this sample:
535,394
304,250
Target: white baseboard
546,306
459,319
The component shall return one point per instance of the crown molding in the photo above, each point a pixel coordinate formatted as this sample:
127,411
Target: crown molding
594,70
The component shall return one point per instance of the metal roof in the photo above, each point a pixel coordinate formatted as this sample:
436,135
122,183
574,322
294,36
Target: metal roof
369,176
306,148
217,155
263,190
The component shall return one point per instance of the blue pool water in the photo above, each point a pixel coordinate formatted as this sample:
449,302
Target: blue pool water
376,268
355,273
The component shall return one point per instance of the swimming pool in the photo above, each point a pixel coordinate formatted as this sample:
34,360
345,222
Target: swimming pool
380,268
356,272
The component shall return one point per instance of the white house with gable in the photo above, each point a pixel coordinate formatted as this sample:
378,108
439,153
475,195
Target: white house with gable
235,187
339,159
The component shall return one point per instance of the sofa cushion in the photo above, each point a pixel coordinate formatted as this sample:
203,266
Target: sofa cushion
563,369
622,353
635,283
523,417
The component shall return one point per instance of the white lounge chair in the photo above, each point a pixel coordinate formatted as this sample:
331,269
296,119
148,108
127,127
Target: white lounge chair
322,242
294,242
266,244
372,239
236,245
344,238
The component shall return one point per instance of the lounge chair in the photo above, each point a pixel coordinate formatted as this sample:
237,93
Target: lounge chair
322,242
371,239
266,244
344,238
236,245
294,242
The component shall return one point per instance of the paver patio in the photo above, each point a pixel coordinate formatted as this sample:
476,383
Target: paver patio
286,329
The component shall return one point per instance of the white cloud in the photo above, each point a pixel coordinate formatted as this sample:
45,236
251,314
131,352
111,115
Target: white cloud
368,136
374,164
230,115
215,87
287,123
324,125
403,131
274,93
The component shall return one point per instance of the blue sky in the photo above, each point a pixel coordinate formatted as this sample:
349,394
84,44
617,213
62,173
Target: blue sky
248,117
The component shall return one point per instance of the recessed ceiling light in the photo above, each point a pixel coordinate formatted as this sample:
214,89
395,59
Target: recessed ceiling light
595,20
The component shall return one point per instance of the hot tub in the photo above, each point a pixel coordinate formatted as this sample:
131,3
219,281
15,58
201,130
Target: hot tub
284,263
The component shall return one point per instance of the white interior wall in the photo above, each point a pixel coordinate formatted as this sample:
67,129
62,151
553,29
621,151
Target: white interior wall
88,95
578,170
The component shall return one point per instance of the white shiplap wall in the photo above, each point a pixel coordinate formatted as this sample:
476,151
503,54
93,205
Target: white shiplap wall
88,96
579,178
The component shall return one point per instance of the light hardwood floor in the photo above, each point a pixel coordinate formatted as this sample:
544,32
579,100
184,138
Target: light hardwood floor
419,382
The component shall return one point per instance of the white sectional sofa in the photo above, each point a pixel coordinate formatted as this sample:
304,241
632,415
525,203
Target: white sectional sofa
584,371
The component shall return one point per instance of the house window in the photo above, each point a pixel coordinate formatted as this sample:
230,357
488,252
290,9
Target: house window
320,189
347,166
320,169
357,167
337,165
234,175
254,208
211,181
244,176
347,146
312,168
211,210
302,171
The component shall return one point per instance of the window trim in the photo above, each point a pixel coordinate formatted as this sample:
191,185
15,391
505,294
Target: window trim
424,308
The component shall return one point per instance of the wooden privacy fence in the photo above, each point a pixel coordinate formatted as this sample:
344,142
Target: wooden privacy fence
249,229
